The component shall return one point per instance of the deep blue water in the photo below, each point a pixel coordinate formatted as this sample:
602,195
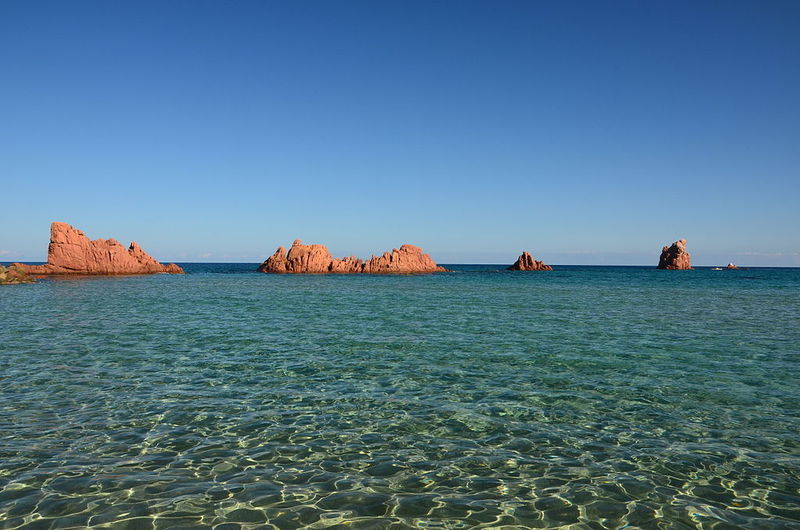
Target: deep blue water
598,397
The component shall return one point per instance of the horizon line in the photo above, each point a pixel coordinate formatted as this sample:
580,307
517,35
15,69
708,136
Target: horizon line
39,262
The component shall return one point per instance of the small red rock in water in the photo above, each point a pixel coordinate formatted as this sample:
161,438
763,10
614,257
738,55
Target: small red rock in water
71,252
526,263
303,259
675,257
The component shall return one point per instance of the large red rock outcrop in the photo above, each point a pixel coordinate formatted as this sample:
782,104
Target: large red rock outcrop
301,258
526,263
675,257
71,252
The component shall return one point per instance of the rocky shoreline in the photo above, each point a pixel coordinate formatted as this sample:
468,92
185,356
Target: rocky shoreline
14,275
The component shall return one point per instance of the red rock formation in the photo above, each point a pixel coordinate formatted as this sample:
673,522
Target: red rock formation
301,259
71,252
409,259
527,263
675,257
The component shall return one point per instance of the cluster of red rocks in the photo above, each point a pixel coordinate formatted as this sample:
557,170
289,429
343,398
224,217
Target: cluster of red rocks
71,252
302,259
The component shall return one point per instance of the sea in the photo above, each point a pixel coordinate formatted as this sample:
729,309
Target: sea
585,397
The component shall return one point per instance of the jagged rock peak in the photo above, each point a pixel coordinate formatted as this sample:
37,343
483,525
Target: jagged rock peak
675,257
526,263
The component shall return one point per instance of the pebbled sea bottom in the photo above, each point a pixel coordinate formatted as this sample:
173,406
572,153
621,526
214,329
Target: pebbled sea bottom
586,397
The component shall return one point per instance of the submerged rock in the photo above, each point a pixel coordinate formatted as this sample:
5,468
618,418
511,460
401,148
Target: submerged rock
310,259
14,275
71,252
526,263
675,257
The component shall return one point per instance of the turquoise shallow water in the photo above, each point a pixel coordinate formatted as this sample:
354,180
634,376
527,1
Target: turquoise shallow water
596,397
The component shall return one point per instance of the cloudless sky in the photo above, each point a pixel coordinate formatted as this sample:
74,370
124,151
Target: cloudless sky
583,132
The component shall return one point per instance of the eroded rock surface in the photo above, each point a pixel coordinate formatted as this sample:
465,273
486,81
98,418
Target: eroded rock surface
675,257
309,259
71,252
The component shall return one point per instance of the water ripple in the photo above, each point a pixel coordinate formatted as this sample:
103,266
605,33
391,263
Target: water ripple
588,398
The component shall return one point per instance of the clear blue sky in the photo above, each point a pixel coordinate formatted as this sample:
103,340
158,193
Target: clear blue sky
584,132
